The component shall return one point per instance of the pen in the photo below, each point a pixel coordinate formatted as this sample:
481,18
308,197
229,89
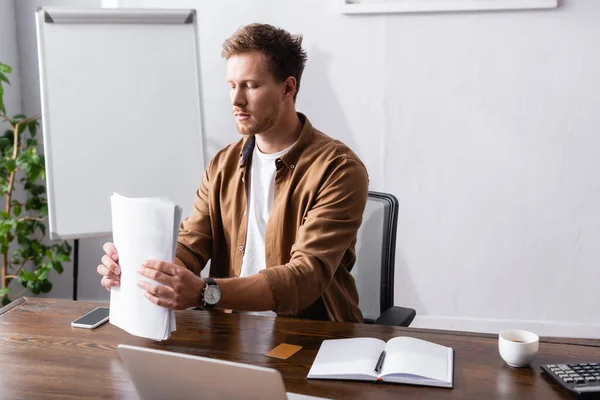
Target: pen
380,362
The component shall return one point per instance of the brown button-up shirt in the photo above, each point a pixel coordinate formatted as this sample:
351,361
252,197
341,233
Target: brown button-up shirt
321,190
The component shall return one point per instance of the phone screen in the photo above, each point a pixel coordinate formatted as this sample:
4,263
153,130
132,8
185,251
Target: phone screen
93,317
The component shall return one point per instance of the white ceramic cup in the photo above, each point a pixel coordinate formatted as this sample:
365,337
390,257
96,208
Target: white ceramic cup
518,348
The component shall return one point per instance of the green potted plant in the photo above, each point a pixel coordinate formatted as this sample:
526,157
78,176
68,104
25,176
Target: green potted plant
25,256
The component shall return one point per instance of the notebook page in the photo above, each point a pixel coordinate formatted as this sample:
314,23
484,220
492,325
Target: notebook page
347,358
406,355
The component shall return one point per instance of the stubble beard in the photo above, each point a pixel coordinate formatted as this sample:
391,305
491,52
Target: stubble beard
254,127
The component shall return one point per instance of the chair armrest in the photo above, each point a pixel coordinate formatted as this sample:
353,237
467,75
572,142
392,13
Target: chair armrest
396,316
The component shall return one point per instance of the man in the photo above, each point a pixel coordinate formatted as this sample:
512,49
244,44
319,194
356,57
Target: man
277,212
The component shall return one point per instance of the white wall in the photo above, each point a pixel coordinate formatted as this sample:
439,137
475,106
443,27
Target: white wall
9,55
493,149
484,125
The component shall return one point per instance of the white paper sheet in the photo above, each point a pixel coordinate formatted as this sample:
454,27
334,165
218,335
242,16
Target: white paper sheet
143,228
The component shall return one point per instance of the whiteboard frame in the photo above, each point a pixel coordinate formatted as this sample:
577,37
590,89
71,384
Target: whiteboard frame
46,15
414,6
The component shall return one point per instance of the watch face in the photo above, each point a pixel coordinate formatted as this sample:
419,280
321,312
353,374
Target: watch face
212,294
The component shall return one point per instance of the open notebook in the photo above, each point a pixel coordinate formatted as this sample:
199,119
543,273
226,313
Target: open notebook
143,228
400,360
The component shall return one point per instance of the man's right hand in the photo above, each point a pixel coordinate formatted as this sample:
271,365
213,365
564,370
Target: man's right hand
109,269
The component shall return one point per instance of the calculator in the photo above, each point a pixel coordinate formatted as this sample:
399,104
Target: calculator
580,378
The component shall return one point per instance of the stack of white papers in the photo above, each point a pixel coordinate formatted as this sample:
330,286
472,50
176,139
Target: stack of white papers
143,229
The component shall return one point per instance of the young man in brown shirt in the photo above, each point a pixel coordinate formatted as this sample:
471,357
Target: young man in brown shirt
277,212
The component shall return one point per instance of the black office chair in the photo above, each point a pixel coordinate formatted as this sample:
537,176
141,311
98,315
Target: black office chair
374,268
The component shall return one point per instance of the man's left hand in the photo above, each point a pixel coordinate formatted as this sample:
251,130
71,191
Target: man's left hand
182,287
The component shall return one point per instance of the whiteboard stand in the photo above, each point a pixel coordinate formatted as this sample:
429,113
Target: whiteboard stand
121,113
75,267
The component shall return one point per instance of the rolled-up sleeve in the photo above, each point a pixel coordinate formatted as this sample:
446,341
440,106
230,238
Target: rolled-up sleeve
194,244
329,229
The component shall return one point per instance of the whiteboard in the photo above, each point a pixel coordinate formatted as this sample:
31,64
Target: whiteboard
121,111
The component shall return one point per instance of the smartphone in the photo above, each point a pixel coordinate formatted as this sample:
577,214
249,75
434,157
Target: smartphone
92,319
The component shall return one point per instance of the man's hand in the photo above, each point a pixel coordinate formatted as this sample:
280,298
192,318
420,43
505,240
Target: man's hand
109,269
182,287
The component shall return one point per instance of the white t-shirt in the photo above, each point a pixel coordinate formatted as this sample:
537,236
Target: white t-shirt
262,194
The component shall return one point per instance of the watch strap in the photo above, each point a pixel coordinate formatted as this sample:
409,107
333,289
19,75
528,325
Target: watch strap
210,281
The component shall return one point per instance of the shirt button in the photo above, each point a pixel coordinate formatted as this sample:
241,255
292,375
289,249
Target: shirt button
245,212
241,248
292,166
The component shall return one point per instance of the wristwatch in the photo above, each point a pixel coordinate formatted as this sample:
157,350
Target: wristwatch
211,294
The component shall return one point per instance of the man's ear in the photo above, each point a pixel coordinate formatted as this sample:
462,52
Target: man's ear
289,88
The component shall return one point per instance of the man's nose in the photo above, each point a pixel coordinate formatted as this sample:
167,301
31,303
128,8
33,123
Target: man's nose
237,98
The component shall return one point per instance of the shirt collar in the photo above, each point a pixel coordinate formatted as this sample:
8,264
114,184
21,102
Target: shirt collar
290,158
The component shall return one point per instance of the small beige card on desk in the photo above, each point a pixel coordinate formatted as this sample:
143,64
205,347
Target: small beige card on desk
283,351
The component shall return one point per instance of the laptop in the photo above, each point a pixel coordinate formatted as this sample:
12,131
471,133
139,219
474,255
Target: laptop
160,375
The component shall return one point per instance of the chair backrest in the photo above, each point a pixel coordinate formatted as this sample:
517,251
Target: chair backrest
375,252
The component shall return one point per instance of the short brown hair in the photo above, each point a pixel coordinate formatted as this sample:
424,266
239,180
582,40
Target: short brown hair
282,51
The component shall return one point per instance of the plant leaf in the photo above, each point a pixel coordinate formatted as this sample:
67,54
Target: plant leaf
4,291
33,128
43,275
62,257
45,285
27,276
21,128
4,143
57,266
34,286
7,69
5,227
10,165
42,227
33,171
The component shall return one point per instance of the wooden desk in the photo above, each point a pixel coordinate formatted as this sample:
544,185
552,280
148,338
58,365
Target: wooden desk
41,356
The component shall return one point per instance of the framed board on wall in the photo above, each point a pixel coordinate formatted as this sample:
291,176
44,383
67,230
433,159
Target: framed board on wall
408,6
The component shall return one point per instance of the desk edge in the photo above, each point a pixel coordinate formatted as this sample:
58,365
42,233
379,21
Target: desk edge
13,304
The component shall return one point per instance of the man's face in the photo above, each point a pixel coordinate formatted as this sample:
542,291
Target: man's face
255,95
